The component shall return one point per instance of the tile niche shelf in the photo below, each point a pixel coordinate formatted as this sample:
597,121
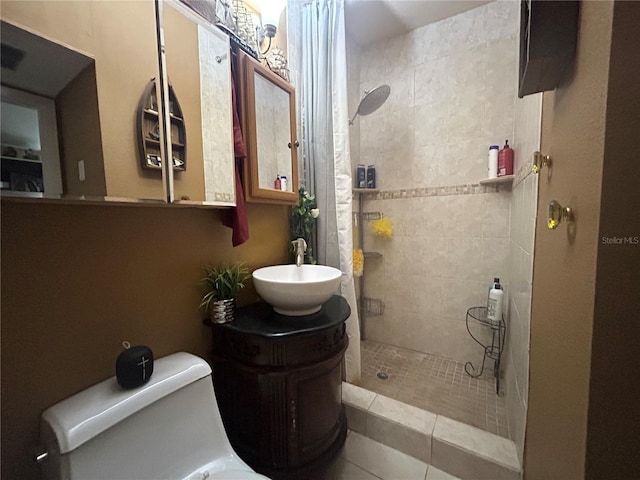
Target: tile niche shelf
504,180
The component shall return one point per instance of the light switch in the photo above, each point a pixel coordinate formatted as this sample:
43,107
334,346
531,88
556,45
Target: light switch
81,175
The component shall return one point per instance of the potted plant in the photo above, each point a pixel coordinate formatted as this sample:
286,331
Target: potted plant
223,284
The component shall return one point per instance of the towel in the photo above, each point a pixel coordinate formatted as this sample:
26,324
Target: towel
236,218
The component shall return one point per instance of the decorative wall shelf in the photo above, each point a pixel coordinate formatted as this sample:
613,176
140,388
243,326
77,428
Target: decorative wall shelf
504,180
365,190
148,133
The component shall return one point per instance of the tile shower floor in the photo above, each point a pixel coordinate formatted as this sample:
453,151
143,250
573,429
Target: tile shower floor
436,384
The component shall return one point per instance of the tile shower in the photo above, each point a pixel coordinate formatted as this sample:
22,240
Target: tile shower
453,93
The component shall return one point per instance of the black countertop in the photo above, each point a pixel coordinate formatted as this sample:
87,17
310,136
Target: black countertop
259,319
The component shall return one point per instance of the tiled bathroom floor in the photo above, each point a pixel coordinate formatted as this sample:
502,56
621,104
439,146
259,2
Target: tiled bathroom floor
365,459
436,384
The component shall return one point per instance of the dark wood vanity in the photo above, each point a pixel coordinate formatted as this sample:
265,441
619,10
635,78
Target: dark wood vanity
278,382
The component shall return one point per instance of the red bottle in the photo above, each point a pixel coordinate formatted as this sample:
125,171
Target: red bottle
505,160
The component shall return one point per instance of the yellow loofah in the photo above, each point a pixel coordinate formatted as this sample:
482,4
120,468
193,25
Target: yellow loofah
382,227
358,262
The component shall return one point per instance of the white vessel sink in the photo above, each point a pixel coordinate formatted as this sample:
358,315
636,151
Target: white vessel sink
296,291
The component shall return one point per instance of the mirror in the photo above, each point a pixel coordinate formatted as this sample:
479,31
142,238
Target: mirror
90,62
199,72
268,121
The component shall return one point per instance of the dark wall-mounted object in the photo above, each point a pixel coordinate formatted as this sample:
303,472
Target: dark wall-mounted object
149,135
548,36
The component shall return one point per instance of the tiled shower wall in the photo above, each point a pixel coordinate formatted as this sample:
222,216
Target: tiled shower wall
453,90
524,201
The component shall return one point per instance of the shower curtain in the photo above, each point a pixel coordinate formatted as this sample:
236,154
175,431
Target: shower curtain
318,54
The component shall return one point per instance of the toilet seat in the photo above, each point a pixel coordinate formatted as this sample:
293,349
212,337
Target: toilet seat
226,468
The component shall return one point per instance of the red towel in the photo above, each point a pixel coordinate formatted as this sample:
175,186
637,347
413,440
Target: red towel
236,218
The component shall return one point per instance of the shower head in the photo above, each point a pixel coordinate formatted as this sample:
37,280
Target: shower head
372,101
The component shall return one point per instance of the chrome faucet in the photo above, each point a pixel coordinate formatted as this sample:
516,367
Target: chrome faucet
300,247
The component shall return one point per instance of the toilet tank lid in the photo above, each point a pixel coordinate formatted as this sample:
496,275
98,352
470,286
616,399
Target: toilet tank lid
85,415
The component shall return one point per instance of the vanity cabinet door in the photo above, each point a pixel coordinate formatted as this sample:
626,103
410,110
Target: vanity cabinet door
316,415
269,130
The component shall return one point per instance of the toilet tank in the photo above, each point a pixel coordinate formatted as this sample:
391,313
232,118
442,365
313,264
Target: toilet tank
168,428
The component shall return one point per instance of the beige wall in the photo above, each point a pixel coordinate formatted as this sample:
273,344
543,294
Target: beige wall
564,269
80,136
452,95
612,439
78,280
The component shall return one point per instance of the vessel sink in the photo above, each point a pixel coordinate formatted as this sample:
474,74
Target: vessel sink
296,291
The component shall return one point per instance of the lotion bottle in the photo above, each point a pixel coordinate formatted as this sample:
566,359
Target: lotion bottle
493,161
494,307
505,160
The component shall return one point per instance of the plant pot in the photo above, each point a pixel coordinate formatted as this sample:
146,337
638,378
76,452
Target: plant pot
222,311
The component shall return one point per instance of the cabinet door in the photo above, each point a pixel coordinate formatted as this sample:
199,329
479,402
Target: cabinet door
94,59
199,70
315,410
269,130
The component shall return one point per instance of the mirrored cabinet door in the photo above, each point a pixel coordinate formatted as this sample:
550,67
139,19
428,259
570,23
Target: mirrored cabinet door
90,62
199,72
268,126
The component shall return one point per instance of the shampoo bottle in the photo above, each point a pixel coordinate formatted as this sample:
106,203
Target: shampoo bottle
496,281
505,160
494,307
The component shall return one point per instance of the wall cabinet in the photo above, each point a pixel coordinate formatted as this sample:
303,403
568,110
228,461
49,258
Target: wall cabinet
278,383
199,72
269,129
104,55
93,60
548,38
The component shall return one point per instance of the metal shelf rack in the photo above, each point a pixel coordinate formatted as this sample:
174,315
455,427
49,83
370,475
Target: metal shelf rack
492,351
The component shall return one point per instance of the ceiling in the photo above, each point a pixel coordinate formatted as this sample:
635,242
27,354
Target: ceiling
46,67
372,20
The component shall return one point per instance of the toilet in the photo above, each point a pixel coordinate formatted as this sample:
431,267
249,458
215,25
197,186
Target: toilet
169,428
